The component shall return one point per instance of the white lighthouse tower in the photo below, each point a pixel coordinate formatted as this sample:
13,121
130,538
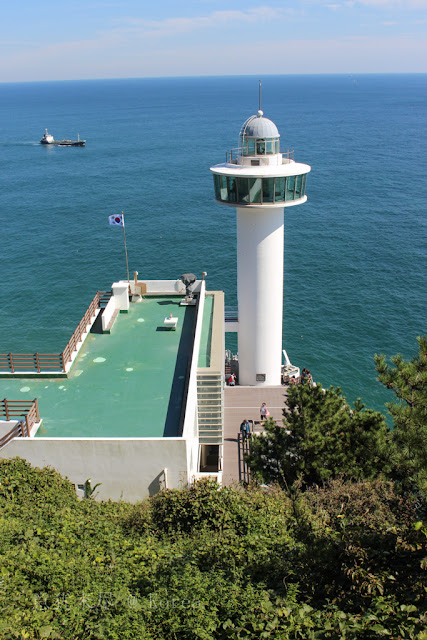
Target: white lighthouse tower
260,181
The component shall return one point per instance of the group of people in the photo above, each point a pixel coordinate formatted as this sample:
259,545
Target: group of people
245,427
306,377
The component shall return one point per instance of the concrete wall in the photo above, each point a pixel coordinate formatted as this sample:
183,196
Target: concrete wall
129,469
121,295
190,429
108,312
163,287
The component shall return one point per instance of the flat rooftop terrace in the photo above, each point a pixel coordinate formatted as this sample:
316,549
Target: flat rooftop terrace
129,383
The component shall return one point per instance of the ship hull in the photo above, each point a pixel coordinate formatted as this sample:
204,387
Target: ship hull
65,143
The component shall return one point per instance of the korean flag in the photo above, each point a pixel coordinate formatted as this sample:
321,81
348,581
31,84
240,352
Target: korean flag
116,220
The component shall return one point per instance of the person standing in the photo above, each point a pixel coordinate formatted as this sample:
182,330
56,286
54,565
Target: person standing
231,379
245,429
264,412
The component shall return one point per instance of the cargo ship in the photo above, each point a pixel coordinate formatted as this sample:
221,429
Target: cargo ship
49,139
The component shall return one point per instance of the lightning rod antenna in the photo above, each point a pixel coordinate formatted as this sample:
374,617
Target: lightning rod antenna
260,95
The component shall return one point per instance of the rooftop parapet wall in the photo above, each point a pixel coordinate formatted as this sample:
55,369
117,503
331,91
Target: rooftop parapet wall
163,287
190,427
218,341
127,468
210,379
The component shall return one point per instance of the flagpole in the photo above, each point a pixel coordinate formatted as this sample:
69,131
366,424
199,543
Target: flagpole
126,251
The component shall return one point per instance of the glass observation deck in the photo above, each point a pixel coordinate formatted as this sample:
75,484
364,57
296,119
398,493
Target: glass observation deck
260,190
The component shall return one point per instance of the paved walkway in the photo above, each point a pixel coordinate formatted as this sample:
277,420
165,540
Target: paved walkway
240,403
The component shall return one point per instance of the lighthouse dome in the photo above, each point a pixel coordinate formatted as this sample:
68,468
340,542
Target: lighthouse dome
259,136
259,127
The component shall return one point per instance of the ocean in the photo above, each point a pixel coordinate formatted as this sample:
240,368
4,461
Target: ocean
355,267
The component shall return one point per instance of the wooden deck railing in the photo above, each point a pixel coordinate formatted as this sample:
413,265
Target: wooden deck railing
101,297
55,362
26,412
18,362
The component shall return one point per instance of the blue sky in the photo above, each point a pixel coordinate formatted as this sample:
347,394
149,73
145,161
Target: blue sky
76,39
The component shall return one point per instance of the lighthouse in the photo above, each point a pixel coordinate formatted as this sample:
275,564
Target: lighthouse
260,181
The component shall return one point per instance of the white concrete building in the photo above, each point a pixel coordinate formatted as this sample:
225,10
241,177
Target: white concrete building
146,415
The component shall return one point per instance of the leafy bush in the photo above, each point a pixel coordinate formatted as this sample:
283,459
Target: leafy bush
23,485
344,561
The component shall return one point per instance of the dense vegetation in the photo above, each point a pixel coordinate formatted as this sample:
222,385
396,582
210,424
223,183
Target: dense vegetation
335,549
322,437
343,561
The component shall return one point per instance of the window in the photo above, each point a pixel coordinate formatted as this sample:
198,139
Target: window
250,142
260,147
304,181
298,185
270,146
268,189
290,188
243,187
216,185
223,188
279,189
255,190
232,190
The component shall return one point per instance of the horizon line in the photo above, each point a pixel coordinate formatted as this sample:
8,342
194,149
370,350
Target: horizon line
234,75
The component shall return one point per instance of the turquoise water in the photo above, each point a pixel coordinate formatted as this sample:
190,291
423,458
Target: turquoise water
355,268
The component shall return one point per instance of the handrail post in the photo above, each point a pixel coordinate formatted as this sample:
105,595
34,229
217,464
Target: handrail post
23,434
36,406
6,409
11,363
37,362
63,362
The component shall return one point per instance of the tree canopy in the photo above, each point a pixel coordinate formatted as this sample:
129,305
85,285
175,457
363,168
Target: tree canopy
322,437
408,380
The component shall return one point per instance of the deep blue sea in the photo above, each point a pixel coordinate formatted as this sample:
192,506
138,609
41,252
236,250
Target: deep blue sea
355,253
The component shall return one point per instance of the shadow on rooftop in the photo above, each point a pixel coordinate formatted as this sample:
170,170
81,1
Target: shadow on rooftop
183,359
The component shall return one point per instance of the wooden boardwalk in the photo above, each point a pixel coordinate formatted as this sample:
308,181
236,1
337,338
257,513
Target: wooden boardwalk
240,403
